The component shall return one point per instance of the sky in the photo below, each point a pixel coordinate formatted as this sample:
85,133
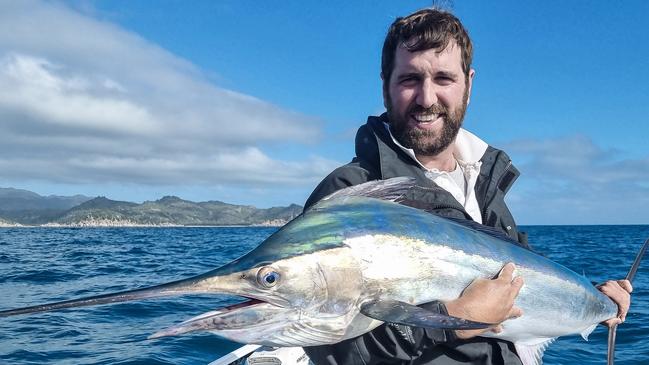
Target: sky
252,102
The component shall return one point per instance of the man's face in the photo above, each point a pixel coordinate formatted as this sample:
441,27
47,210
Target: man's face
426,98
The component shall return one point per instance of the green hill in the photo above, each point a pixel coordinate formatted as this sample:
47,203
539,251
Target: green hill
28,208
175,211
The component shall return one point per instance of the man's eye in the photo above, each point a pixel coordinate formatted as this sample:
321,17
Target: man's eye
407,81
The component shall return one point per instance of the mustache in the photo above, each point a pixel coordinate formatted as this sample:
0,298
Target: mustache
433,109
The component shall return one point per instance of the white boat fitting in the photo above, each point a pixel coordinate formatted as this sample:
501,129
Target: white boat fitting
264,355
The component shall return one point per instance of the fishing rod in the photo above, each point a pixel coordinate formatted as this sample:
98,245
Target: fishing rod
610,358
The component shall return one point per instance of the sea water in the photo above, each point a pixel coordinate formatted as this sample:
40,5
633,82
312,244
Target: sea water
39,265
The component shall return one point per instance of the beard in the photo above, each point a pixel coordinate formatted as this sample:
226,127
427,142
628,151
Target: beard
428,142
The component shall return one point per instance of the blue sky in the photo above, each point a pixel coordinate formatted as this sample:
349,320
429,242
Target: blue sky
254,102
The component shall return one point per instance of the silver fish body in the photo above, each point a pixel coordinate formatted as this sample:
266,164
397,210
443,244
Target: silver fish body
377,250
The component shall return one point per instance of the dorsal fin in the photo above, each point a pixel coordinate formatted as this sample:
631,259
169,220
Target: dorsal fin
395,189
390,190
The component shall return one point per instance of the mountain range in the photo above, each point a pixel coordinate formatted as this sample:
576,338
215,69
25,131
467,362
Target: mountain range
24,207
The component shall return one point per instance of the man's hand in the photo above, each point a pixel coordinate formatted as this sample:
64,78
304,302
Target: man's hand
488,301
620,292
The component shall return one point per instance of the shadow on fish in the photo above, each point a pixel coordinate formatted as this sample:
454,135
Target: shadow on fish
358,259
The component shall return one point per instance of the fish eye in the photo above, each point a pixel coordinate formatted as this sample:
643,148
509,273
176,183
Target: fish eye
267,277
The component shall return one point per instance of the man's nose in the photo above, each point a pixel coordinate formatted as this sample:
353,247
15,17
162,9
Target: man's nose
427,95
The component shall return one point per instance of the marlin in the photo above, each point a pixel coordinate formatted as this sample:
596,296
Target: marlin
358,259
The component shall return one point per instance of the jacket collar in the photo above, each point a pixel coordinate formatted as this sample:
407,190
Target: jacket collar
468,147
375,146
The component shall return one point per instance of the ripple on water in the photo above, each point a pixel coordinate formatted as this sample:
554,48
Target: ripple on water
45,276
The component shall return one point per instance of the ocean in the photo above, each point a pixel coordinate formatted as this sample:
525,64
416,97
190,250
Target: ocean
40,265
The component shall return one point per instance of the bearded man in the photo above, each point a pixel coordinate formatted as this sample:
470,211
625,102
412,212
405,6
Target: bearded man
427,78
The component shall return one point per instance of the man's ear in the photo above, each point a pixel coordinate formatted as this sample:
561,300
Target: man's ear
386,93
469,85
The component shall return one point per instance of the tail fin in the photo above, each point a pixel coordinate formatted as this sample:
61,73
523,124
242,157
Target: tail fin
610,360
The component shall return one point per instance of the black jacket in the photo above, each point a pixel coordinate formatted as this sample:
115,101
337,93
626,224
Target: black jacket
377,157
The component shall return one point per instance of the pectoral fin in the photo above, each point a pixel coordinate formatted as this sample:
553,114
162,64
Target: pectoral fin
394,311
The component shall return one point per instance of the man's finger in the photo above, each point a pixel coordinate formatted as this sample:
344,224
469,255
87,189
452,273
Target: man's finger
516,286
507,272
622,311
612,321
626,285
515,312
612,288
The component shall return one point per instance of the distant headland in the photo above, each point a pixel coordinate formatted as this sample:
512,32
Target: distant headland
25,208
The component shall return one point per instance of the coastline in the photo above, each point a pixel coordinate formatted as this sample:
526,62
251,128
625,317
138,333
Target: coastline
133,225
137,226
92,222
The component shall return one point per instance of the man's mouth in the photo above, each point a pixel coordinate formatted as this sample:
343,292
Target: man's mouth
425,118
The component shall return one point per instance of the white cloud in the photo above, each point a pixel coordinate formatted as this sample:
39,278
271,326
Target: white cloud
32,87
82,100
572,180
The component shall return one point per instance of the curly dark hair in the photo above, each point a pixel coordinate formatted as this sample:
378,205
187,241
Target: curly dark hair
425,29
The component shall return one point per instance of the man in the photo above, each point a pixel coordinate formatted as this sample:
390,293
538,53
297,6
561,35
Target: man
427,78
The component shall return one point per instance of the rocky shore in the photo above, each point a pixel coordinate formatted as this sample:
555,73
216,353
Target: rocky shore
92,222
107,222
4,224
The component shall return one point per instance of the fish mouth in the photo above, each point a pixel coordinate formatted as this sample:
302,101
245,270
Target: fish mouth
250,316
247,303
